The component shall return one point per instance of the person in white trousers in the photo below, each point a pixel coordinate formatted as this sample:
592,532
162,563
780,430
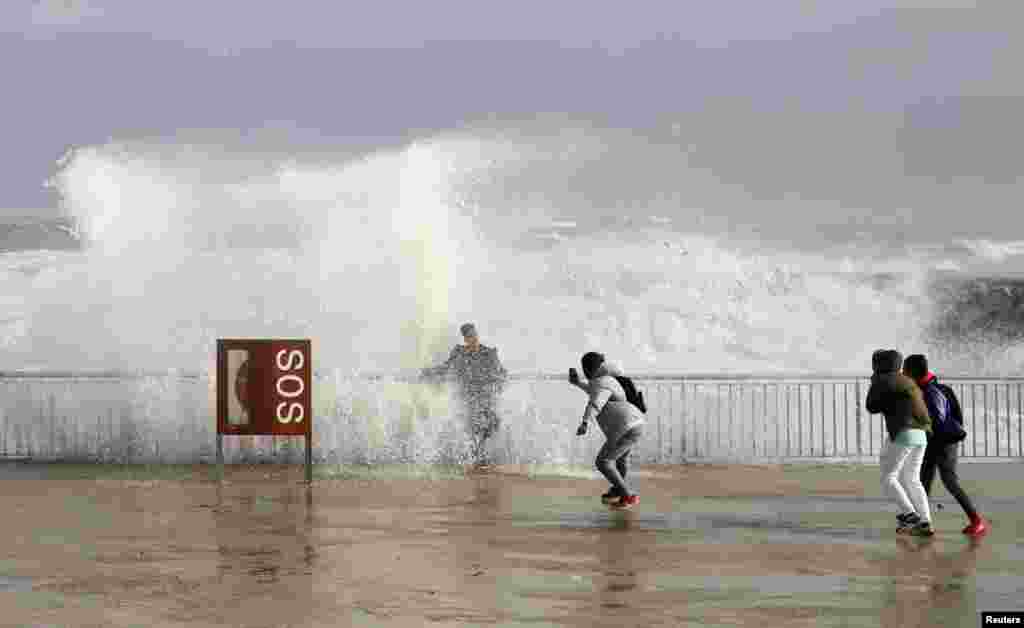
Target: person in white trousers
908,424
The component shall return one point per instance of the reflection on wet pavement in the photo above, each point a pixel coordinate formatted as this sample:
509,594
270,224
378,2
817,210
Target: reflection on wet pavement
485,550
15,583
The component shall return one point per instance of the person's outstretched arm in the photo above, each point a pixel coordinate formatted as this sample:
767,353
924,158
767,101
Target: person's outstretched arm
442,368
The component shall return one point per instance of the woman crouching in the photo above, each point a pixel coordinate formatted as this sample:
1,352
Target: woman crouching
621,422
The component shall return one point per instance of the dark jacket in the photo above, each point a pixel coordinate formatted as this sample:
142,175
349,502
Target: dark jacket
473,370
896,396
938,405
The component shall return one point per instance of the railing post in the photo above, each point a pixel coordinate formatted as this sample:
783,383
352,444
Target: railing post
799,420
974,419
718,416
731,404
996,387
810,420
682,421
846,420
661,430
754,422
220,456
693,412
1020,418
778,424
860,447
707,427
984,414
764,410
789,439
309,457
674,421
835,424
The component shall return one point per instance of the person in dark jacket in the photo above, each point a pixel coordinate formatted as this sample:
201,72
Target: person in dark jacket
908,423
941,452
481,378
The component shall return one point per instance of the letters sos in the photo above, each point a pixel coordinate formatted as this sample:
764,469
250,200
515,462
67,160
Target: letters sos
290,386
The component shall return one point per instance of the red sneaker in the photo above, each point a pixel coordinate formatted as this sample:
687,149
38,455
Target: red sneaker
977,527
627,502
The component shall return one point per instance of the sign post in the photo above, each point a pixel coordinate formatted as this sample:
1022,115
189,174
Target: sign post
264,389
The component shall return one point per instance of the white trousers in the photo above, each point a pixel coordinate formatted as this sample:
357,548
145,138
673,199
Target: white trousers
901,478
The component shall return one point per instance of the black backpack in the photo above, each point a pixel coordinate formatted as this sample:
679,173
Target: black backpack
633,395
952,429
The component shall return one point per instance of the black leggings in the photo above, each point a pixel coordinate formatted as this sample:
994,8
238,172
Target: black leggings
943,456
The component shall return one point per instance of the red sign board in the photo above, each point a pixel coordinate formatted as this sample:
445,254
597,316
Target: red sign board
264,387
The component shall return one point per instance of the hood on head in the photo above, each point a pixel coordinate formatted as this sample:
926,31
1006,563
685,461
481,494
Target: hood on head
886,361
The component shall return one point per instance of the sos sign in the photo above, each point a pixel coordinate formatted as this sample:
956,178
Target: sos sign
264,387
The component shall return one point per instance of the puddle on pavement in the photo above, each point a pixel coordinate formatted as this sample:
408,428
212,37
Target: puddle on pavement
714,527
14,584
506,551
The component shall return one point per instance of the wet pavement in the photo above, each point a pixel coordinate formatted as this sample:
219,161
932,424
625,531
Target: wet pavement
708,546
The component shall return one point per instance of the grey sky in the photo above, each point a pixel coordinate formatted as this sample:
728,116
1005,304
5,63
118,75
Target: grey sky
860,104
236,24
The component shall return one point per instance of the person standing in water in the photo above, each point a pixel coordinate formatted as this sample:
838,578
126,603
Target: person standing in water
908,423
481,378
621,422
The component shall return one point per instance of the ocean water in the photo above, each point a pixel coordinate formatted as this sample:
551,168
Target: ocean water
554,241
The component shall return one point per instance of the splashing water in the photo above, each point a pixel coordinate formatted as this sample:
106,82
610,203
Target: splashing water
378,257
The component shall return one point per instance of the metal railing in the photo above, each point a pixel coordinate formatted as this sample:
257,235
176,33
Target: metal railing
690,417
714,416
